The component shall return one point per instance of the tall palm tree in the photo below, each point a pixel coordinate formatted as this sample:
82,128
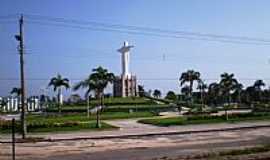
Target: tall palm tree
189,77
202,87
258,84
58,82
157,93
185,91
227,83
96,82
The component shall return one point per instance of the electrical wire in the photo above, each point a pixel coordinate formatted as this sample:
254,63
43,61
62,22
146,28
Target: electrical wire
139,28
148,33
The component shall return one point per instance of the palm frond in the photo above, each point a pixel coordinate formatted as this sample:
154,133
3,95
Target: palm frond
79,85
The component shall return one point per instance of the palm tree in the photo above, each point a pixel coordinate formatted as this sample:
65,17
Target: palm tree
185,91
227,83
202,87
238,88
157,93
190,76
96,82
249,94
16,91
58,82
258,88
214,92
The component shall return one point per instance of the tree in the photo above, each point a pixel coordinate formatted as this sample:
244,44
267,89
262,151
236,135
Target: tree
157,93
249,94
96,82
227,84
258,84
171,96
141,91
185,91
58,82
214,93
238,89
16,91
202,87
189,77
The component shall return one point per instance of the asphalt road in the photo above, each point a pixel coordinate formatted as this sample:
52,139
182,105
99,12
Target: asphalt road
141,148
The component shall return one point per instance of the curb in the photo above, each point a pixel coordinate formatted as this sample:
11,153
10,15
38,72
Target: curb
142,135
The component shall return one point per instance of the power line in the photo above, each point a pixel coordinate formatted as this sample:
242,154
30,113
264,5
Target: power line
147,29
147,34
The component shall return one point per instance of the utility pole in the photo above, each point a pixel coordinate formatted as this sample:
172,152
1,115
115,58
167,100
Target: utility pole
20,38
13,139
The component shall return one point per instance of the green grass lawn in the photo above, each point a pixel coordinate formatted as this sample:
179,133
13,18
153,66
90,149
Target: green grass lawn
82,117
112,101
114,108
70,122
127,106
90,125
42,127
172,121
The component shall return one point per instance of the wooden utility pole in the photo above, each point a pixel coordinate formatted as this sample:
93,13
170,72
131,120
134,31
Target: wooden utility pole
13,139
20,38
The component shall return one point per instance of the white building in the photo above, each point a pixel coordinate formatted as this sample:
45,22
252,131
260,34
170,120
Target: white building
12,104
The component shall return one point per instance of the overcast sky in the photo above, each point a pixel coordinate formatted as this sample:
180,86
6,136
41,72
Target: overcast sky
157,61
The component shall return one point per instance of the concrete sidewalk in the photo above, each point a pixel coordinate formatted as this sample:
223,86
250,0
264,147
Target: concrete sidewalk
130,128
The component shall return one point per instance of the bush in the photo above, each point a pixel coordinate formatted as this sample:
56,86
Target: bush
202,117
119,101
6,126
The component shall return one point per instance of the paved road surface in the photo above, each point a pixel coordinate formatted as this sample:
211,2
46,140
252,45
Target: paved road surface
140,148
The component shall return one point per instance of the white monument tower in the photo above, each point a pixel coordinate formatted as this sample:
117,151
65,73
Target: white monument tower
125,59
125,85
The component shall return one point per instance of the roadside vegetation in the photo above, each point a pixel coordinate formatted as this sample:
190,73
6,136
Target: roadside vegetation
52,126
205,119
